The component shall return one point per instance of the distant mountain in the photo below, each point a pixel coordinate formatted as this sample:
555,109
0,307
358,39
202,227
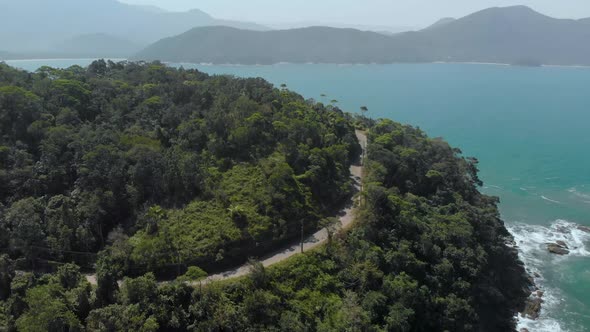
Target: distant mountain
151,9
98,45
384,29
504,35
38,25
441,22
230,45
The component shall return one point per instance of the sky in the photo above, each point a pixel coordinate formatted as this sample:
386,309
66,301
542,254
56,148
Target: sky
414,13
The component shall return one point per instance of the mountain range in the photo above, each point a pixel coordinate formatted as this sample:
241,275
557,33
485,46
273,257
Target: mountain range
384,29
33,26
108,28
513,35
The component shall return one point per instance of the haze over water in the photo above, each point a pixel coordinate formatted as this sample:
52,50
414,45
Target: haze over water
529,127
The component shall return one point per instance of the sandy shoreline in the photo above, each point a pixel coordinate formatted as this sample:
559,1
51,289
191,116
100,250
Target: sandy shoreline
210,64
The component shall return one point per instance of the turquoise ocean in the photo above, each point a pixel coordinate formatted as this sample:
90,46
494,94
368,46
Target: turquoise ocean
529,127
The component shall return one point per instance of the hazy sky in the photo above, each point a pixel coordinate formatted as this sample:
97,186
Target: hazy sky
372,12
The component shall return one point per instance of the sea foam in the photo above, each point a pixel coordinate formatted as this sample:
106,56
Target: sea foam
585,197
531,241
550,200
540,325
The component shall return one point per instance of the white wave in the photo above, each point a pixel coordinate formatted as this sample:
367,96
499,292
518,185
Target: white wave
550,200
584,196
531,241
545,322
539,325
496,187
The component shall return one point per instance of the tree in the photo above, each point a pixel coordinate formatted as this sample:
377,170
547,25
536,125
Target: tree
331,226
69,276
193,274
7,273
119,317
19,108
141,290
47,311
25,221
258,274
364,110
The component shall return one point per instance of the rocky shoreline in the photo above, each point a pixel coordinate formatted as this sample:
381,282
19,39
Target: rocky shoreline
534,303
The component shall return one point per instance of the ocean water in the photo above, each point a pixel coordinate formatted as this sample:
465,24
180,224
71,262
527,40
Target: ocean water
529,127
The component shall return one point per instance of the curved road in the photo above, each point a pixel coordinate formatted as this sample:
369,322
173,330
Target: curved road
346,218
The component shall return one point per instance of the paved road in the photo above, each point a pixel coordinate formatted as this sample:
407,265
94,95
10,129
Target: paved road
346,218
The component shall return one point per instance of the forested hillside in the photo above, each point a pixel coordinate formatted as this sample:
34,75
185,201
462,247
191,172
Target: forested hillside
143,172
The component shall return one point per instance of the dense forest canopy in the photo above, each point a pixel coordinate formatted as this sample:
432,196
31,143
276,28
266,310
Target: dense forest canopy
143,172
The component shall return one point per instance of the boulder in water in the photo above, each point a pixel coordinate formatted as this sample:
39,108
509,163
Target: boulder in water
557,249
562,244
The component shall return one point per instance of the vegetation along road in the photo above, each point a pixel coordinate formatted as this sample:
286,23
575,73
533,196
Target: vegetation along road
345,218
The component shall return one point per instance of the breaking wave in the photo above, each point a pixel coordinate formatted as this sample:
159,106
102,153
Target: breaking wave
531,241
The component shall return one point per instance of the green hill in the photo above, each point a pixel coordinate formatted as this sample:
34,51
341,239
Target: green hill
136,172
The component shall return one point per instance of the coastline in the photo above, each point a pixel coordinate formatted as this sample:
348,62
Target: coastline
282,63
63,59
211,64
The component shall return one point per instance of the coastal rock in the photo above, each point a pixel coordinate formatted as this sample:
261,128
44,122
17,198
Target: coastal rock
555,248
533,308
537,275
532,285
524,329
540,293
562,244
584,228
